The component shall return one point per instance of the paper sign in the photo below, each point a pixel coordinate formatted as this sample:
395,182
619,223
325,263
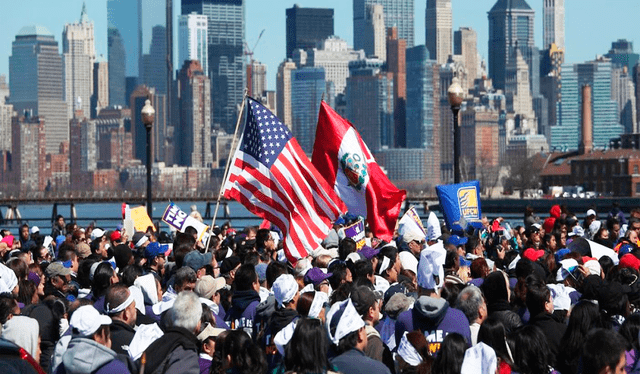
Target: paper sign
180,220
141,220
356,232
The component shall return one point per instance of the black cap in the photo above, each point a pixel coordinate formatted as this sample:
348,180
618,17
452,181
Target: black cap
229,264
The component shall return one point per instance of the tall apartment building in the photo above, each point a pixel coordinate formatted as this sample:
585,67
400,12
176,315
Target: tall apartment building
79,55
465,44
192,40
307,26
553,23
6,112
194,133
225,22
283,91
257,79
511,26
36,85
308,86
397,65
124,38
375,32
114,143
83,152
28,138
518,95
439,26
399,13
100,97
370,102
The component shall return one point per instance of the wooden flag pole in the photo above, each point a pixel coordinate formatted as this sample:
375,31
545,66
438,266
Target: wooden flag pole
226,169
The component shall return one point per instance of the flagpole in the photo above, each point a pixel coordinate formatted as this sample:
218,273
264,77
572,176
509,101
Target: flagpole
226,169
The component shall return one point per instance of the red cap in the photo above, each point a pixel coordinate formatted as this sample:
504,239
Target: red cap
115,236
532,254
630,261
585,259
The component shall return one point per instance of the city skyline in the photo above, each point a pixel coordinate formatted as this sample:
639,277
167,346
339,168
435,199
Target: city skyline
271,50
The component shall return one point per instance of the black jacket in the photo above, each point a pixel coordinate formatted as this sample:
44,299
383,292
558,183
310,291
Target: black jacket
552,329
121,336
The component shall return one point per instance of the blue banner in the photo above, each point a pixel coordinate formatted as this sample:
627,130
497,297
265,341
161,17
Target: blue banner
460,205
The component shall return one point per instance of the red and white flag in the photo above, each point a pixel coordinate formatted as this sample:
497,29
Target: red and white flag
273,178
345,162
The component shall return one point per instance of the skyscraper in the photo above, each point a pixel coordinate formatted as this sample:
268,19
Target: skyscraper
308,85
258,79
283,91
465,44
439,25
307,26
370,102
566,134
154,63
553,31
375,32
622,55
397,65
397,13
28,139
225,20
192,40
79,55
100,97
124,39
194,133
511,25
35,73
6,112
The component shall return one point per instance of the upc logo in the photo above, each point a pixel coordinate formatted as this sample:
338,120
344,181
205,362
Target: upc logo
468,202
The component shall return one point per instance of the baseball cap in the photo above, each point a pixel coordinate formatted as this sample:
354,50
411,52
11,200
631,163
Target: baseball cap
369,252
207,286
83,250
197,260
86,320
35,229
316,276
229,264
57,268
566,268
209,332
97,233
115,236
284,288
591,212
532,254
464,262
155,249
139,239
629,261
457,240
343,319
561,253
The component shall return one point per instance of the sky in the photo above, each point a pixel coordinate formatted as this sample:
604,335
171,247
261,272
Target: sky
591,25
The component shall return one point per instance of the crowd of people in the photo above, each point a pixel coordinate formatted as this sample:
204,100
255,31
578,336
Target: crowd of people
489,299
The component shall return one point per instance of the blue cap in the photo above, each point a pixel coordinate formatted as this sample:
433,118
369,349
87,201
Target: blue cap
464,262
59,240
457,240
561,253
154,249
624,249
339,221
261,270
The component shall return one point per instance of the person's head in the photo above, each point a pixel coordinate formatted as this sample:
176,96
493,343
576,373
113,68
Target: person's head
585,316
471,302
307,349
246,278
341,273
532,353
451,354
311,304
120,305
603,353
264,240
60,221
285,290
387,268
186,312
274,270
68,253
242,355
538,296
103,277
87,322
493,334
496,288
58,276
346,247
8,307
367,304
346,328
474,246
24,231
185,279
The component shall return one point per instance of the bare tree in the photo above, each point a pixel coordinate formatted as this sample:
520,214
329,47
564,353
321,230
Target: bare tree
524,173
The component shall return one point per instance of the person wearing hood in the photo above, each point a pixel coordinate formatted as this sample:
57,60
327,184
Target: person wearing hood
554,214
285,291
498,294
89,350
25,333
431,314
245,299
540,305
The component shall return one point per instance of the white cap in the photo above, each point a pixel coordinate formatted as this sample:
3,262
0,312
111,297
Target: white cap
593,266
96,233
566,266
284,288
35,229
591,212
427,268
560,295
8,279
409,261
86,320
343,319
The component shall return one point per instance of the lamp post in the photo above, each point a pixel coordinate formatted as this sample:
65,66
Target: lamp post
148,116
455,94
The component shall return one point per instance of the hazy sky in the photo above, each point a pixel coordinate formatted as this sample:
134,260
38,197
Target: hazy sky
591,25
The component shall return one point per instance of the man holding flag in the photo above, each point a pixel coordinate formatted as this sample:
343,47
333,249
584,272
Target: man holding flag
273,178
346,163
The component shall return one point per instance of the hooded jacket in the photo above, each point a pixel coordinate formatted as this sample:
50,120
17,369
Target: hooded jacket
243,310
88,356
175,352
435,319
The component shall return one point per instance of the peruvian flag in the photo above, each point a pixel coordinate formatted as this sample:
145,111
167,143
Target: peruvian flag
345,162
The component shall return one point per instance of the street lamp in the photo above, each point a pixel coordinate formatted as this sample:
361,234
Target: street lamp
455,95
148,116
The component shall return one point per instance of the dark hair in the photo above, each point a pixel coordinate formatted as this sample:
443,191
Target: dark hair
339,270
66,252
262,237
602,349
102,279
130,273
584,317
606,263
246,357
217,364
362,269
182,244
341,293
532,355
274,270
26,290
493,334
116,295
538,295
346,247
451,354
304,302
629,330
495,290
84,270
184,275
307,349
245,277
19,267
347,342
472,243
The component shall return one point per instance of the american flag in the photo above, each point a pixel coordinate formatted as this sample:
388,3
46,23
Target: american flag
273,178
